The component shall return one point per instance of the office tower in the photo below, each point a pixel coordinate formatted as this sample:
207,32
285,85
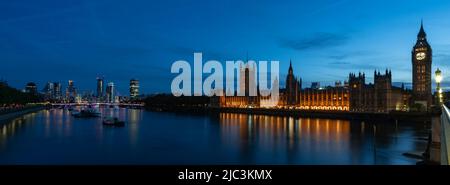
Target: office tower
99,87
49,90
31,88
134,88
110,92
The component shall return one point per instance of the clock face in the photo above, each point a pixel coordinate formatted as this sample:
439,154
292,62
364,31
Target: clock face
420,56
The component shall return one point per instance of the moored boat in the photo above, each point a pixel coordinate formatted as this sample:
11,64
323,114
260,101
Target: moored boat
86,113
113,122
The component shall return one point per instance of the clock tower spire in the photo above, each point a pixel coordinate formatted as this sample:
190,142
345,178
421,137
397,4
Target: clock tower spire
421,65
421,35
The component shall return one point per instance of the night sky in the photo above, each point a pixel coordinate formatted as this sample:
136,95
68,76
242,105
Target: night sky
57,40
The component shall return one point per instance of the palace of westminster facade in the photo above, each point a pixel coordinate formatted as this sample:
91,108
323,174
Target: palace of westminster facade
354,95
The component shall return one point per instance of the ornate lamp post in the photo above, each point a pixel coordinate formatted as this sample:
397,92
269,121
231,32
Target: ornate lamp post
438,79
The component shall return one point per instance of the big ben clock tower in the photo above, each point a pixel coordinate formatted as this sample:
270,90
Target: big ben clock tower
421,66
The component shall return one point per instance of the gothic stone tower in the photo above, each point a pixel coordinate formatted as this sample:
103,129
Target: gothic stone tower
357,85
293,87
421,66
382,91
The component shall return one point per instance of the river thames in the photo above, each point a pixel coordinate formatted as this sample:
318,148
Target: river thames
54,137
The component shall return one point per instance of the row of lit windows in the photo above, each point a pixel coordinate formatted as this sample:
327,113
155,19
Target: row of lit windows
421,49
420,88
420,69
336,108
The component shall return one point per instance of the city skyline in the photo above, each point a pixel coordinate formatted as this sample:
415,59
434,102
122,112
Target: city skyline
71,90
248,89
324,44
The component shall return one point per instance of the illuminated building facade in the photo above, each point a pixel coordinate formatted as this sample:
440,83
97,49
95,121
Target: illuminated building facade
329,99
292,96
380,96
355,95
247,81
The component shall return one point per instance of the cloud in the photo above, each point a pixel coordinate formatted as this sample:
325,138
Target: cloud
343,55
361,60
358,65
339,63
319,40
338,57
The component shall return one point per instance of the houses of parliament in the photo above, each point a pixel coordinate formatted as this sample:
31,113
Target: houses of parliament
355,95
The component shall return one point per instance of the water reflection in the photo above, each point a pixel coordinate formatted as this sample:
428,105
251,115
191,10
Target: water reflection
321,141
59,123
56,137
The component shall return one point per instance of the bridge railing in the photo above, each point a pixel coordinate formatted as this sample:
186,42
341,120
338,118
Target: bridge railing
445,136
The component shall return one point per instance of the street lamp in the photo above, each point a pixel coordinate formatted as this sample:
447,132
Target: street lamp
438,78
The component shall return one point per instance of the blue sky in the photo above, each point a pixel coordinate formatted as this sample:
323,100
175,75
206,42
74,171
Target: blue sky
47,40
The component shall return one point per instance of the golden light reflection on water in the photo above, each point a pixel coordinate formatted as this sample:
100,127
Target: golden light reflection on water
134,118
251,139
271,131
60,123
10,128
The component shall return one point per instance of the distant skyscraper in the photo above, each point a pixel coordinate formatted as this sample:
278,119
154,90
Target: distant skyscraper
110,92
31,88
57,90
134,88
71,92
315,85
99,87
49,90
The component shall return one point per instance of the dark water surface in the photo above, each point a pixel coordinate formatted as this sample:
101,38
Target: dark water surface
56,137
